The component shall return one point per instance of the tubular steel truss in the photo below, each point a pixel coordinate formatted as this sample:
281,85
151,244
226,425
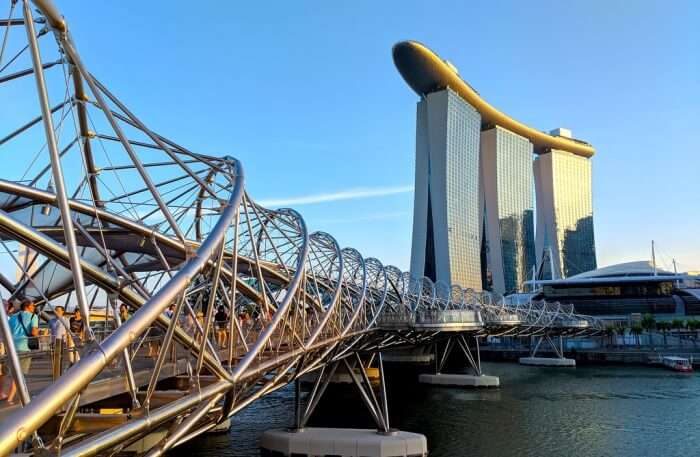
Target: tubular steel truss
101,214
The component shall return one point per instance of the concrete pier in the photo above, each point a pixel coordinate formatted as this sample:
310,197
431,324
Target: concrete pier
342,442
547,361
460,380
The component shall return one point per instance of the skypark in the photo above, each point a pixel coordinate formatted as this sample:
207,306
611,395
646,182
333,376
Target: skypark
425,72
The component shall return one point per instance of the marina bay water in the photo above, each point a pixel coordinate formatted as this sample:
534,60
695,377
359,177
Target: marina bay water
586,411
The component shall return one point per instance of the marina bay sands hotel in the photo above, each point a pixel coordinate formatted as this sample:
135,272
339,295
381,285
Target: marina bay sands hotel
482,178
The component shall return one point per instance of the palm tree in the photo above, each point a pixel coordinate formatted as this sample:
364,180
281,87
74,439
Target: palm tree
610,333
678,325
663,327
648,323
637,330
693,325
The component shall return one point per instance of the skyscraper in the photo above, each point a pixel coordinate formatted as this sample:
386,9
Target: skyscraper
446,218
565,244
473,184
506,166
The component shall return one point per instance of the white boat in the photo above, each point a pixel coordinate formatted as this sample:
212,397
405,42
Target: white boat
677,363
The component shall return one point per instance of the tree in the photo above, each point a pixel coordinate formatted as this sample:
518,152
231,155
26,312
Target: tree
648,323
637,330
610,333
693,325
663,327
678,324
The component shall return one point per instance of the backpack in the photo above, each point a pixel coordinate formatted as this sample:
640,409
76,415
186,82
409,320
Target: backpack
32,342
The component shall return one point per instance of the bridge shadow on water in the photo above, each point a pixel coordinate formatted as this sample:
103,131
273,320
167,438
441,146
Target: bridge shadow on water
586,411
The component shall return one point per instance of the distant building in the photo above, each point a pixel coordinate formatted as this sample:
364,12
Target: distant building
509,243
565,243
618,291
473,213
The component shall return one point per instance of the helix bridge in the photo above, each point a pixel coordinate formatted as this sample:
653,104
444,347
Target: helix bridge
100,213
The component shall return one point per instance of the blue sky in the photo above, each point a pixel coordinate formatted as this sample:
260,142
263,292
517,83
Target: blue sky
306,95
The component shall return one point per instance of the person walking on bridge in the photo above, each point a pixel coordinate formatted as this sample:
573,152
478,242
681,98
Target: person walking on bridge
124,312
77,327
4,369
59,326
23,325
221,320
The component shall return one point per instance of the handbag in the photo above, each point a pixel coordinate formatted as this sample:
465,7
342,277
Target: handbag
32,343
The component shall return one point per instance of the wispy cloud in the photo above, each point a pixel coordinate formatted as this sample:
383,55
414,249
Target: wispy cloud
350,194
366,218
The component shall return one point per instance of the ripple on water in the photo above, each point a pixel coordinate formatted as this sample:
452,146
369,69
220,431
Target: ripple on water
588,412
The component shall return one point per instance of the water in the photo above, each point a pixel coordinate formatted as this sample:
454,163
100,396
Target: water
586,411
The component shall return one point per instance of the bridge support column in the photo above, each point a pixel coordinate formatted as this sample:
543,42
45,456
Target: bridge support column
558,361
478,379
384,441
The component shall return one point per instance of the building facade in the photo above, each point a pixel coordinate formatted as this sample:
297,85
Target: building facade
474,186
446,221
508,189
565,243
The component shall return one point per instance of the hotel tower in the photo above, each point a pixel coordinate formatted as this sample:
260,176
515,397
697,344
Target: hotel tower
482,178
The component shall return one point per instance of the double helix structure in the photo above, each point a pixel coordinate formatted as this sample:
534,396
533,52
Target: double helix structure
195,301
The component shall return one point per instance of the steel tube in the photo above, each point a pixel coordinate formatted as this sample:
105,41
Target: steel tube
19,424
57,172
316,396
210,309
130,380
155,138
81,98
167,340
184,427
26,72
382,381
114,437
75,58
365,398
286,303
52,15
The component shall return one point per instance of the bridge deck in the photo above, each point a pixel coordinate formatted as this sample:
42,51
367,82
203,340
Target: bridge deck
109,383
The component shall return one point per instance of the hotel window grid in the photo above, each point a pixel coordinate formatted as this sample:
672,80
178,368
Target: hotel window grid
573,209
462,173
515,196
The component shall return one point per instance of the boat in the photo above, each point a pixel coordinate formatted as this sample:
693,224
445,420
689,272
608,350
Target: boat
677,363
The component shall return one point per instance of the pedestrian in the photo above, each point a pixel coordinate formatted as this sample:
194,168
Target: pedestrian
10,307
124,312
77,324
221,319
170,312
4,370
188,323
59,326
77,328
154,339
24,326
